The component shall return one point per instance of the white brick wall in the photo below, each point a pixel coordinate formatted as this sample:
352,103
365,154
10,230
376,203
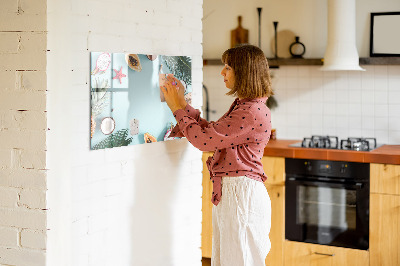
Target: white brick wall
33,239
9,237
100,205
23,132
135,205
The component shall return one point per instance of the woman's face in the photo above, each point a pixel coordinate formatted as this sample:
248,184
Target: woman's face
229,76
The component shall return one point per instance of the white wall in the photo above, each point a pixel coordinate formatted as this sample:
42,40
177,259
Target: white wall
23,133
311,102
343,104
135,205
306,19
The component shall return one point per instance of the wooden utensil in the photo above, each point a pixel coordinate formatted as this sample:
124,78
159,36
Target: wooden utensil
239,35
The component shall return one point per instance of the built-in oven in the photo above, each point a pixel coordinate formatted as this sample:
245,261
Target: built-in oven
327,202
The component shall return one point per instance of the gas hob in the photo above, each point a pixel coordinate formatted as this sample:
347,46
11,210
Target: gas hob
332,142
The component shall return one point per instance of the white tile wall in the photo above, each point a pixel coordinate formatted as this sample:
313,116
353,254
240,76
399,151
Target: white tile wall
312,102
342,103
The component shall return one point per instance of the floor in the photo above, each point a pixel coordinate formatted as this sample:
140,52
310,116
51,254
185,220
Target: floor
206,261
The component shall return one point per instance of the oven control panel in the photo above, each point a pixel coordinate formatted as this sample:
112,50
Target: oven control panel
338,169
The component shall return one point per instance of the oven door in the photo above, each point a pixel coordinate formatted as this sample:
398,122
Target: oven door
327,213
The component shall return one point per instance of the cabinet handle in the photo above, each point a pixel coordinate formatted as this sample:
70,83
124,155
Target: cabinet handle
324,254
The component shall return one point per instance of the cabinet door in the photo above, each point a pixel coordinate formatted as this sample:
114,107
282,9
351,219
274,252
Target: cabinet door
206,232
304,254
385,178
277,233
384,230
274,168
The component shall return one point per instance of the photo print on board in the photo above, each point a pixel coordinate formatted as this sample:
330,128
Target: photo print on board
125,88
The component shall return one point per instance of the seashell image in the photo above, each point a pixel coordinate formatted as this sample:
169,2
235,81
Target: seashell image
107,125
151,57
134,126
169,131
133,62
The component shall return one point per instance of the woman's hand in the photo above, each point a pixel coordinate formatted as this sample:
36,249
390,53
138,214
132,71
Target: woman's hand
174,93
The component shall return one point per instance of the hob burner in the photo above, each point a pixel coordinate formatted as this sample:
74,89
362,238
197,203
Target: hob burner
328,142
358,144
332,142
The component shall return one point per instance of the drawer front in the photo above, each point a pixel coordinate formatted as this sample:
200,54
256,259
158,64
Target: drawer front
385,178
297,253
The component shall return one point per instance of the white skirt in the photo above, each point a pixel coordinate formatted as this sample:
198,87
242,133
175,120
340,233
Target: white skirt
241,223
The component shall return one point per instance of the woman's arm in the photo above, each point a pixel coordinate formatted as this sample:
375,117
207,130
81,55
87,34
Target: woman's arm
239,127
193,113
176,100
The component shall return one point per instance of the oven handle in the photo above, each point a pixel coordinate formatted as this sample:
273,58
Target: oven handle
357,185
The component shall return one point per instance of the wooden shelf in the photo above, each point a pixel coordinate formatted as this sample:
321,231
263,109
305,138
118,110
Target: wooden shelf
294,62
273,63
380,61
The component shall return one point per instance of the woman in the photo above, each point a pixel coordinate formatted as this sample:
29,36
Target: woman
242,208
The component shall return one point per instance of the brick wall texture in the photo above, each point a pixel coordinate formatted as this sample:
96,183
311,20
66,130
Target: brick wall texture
23,121
60,203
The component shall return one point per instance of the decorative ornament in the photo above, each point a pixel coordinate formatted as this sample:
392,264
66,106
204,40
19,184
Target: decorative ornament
276,38
148,138
151,57
119,75
133,62
259,9
107,125
134,126
297,49
102,63
169,130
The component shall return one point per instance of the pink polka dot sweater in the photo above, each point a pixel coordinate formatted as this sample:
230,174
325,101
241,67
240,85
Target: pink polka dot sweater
238,139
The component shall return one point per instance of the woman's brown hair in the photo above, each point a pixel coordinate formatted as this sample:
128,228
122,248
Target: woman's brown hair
250,66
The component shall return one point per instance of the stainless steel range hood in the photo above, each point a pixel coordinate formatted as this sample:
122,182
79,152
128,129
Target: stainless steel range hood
341,51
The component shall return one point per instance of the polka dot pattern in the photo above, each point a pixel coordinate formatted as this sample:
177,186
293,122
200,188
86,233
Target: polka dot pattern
238,139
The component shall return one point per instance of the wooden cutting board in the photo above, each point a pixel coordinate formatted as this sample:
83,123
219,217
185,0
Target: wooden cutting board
239,35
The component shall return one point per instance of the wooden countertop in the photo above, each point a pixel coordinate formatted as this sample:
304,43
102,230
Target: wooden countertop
389,154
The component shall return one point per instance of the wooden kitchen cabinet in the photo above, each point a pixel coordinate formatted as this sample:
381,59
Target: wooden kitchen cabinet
277,233
274,168
206,226
305,254
385,178
384,236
